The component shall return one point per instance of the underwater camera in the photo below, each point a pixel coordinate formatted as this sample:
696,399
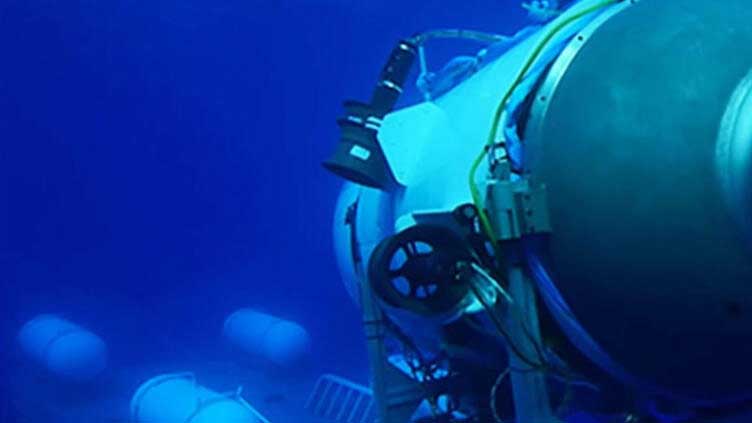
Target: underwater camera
359,157
563,227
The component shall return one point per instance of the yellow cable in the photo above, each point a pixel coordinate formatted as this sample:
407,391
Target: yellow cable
484,220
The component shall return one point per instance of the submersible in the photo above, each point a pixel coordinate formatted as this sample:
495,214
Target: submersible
613,188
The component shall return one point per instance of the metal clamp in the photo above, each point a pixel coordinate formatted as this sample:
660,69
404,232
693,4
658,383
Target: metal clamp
517,209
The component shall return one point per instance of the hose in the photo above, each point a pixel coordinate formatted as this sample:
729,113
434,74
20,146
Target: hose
505,335
497,384
463,34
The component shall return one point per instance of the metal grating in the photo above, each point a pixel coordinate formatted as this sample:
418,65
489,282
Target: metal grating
339,400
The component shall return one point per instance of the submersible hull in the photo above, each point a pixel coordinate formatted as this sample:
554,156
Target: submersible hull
641,131
641,134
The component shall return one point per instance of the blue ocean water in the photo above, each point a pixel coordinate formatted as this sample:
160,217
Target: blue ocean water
160,168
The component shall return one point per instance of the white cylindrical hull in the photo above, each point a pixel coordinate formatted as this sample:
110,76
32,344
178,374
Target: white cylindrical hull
262,335
63,347
177,398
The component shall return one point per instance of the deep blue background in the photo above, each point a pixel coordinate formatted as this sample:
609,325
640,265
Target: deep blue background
160,160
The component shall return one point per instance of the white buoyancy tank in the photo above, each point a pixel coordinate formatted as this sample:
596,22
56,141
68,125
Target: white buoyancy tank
63,347
279,341
178,398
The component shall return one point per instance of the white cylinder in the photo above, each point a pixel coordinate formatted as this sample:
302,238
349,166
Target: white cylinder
63,347
279,341
177,398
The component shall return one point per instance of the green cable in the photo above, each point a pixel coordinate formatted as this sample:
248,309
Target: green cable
484,220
